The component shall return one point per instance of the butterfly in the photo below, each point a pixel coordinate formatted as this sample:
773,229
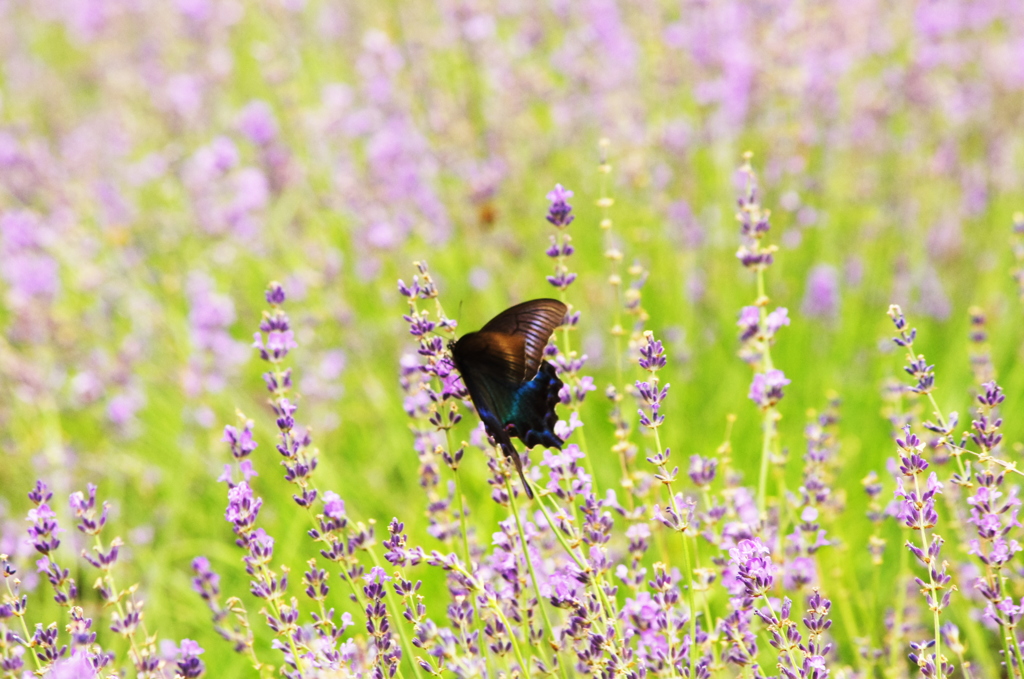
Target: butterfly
513,388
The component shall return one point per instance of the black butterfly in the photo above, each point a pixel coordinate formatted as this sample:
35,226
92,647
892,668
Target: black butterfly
513,388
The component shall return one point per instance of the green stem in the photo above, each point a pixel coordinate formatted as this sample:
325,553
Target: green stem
926,544
477,618
762,478
609,612
533,576
24,626
897,624
1010,637
768,428
462,506
689,598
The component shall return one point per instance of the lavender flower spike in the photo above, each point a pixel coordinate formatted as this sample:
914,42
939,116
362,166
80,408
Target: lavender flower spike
560,212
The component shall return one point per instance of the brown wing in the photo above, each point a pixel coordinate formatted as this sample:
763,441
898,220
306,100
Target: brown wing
533,322
491,365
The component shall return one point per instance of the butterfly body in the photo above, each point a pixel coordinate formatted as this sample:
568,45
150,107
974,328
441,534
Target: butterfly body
513,388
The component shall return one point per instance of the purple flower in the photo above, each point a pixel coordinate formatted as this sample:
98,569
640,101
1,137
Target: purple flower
749,322
702,470
44,529
256,121
207,582
78,666
278,344
389,654
753,221
28,269
85,511
799,573
917,510
776,320
652,354
214,351
243,508
274,294
334,506
766,388
821,298
242,443
189,664
559,214
754,568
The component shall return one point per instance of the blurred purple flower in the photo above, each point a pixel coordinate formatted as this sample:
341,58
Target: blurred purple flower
256,121
77,666
766,388
28,269
215,353
189,664
821,298
560,212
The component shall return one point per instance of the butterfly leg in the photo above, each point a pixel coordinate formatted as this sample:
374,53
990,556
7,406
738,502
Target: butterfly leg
511,452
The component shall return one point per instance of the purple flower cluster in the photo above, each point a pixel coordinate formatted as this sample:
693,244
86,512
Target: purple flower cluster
757,334
387,652
753,221
652,359
757,326
299,458
228,198
433,390
215,354
923,374
917,512
206,583
82,657
561,248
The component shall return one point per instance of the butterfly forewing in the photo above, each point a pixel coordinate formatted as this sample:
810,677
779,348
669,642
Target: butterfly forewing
490,365
534,321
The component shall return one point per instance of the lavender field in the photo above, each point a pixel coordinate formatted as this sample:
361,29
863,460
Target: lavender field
237,241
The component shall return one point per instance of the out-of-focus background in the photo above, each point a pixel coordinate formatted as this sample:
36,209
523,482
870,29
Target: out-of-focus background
160,162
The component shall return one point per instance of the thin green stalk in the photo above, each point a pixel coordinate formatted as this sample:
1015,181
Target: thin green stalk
477,618
609,611
1010,638
492,603
356,592
768,428
897,623
533,574
846,609
689,598
1005,638
762,477
462,506
24,625
567,350
926,544
876,584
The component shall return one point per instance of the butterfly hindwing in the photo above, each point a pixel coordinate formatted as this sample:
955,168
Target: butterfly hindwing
513,388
